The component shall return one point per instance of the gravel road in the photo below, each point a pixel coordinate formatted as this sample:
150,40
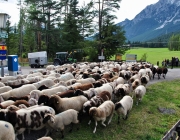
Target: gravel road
171,75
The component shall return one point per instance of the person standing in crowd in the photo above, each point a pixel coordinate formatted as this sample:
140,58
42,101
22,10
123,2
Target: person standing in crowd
157,63
177,61
172,62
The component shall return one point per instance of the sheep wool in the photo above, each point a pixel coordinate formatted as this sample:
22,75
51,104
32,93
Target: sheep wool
7,131
139,92
123,107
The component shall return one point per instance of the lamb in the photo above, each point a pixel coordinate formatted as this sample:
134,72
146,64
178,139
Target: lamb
5,89
60,120
123,107
7,131
18,92
62,104
139,92
100,113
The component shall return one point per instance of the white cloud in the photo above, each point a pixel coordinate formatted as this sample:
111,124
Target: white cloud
128,8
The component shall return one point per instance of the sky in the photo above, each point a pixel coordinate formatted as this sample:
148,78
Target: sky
128,9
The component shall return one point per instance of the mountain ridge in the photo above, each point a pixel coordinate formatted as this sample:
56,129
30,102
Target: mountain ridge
155,20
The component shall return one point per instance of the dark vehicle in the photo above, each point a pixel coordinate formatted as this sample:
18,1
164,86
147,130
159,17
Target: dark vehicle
65,57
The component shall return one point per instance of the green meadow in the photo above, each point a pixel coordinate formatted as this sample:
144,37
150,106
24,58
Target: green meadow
145,121
153,54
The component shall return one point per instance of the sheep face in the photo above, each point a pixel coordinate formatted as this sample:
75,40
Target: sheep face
48,118
118,105
93,111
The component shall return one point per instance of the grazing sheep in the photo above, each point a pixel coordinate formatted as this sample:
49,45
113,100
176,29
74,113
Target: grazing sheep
123,107
7,131
62,104
139,92
5,89
18,92
59,121
100,113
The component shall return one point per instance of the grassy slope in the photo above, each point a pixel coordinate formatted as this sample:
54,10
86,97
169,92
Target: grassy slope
153,54
145,122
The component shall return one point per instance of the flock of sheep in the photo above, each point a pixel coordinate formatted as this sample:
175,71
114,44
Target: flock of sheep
57,96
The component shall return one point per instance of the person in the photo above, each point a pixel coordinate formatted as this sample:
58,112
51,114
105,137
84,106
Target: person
163,63
157,63
177,61
172,62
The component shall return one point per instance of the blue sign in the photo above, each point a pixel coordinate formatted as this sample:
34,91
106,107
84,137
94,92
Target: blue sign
3,54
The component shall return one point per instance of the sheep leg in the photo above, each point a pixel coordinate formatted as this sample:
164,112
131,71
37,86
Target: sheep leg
89,122
62,133
118,119
47,132
110,118
103,122
95,127
71,127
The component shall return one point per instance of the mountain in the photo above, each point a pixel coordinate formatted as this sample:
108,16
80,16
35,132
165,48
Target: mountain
155,20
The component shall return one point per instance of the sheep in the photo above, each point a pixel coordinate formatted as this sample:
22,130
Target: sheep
121,90
5,89
142,72
64,77
28,118
136,83
46,82
87,93
149,73
96,101
33,101
18,92
59,121
19,98
62,104
100,113
144,79
7,131
86,81
164,72
120,80
2,84
17,83
12,108
83,86
45,138
123,107
36,93
7,78
134,77
5,104
139,92
34,74
50,67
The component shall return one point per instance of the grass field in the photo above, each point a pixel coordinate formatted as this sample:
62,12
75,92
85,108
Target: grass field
153,54
145,121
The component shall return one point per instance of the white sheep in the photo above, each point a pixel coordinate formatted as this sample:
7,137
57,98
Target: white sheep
45,138
120,80
139,92
18,92
64,77
7,103
46,82
142,72
50,67
34,74
59,121
100,113
7,78
5,89
123,107
7,131
2,84
86,81
36,93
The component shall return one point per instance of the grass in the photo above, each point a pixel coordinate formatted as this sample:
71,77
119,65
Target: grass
153,54
145,122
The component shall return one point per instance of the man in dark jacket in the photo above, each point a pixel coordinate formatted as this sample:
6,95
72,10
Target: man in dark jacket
172,62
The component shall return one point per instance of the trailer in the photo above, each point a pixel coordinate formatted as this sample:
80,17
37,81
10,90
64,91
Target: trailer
37,59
